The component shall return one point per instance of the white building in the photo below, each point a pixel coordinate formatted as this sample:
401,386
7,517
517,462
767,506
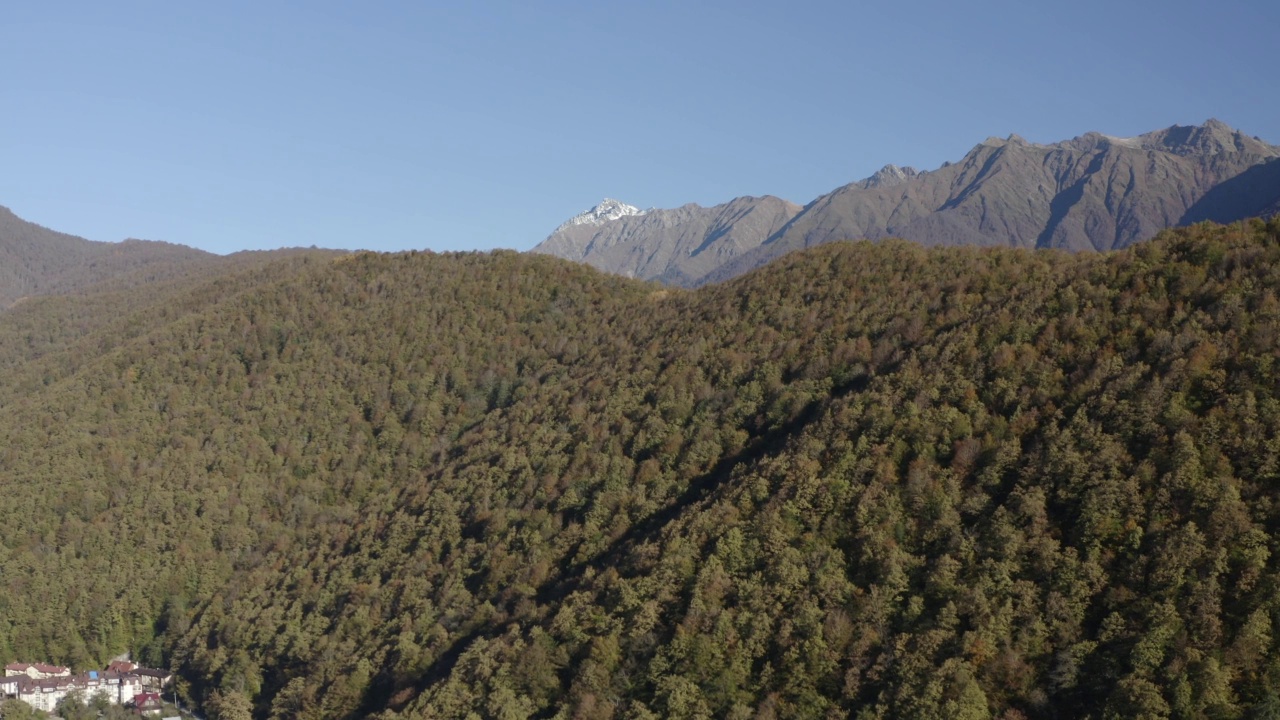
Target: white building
45,693
36,671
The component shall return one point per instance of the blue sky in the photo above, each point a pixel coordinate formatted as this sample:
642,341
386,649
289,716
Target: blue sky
445,126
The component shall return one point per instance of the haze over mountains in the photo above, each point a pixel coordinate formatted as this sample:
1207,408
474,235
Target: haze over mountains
1093,192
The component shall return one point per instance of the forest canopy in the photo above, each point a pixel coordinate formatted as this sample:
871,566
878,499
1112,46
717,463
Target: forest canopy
867,480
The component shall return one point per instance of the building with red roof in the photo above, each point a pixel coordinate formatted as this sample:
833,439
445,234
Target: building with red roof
36,671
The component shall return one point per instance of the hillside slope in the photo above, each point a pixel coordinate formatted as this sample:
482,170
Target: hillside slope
869,479
37,261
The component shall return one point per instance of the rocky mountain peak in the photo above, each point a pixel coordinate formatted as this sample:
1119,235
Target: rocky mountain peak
888,176
1211,138
608,209
1090,192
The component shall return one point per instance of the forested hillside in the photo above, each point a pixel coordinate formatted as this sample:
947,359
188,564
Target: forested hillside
35,260
865,480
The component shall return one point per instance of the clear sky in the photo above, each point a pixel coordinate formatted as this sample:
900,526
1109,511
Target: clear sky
470,125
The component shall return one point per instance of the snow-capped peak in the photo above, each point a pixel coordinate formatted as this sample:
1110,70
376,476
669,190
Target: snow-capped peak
888,176
608,209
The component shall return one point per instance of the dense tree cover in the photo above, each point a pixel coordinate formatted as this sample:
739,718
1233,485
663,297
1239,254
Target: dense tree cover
47,338
868,480
138,479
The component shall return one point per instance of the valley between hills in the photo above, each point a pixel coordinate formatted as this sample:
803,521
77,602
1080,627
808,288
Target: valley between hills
866,479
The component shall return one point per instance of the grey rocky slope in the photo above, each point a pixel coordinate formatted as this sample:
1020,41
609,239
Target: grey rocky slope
1093,192
678,246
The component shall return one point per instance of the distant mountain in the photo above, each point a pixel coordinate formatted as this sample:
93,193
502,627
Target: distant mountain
35,260
608,209
1093,192
679,246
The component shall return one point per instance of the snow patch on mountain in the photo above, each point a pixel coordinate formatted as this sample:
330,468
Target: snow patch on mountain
608,209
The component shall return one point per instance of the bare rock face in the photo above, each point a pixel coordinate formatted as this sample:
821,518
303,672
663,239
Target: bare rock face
677,246
1093,192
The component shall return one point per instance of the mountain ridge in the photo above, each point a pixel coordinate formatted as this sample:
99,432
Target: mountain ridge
36,261
608,209
1090,192
694,239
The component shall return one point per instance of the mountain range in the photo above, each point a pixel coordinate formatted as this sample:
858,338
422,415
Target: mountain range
1093,192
